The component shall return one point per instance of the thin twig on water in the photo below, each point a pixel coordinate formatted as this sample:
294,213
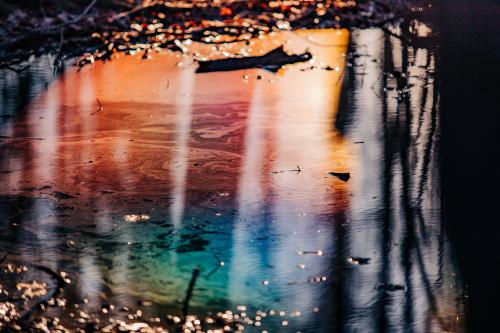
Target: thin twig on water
189,292
219,264
43,303
99,108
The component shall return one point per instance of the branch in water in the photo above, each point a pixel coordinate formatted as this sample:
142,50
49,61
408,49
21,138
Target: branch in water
189,292
271,61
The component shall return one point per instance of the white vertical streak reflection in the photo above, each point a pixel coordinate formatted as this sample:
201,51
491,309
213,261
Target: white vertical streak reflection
86,106
367,188
250,201
301,140
44,153
183,103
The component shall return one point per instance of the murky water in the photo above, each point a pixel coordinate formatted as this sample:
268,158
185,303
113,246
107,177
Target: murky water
229,172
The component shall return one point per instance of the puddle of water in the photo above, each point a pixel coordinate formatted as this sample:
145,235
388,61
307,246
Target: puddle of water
181,170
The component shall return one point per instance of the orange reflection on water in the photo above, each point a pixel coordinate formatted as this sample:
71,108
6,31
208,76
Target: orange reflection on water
158,120
174,145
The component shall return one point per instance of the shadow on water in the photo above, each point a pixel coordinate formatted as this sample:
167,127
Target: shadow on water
173,174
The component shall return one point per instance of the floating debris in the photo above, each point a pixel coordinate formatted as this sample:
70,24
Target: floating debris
390,287
32,289
358,260
146,303
298,170
62,195
99,107
271,61
132,218
343,176
318,253
315,279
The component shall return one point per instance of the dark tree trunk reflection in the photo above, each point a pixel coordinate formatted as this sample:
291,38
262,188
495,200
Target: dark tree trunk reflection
413,266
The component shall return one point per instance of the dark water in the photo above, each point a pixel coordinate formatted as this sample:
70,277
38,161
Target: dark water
470,68
182,170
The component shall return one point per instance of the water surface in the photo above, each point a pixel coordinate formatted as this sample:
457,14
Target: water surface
229,172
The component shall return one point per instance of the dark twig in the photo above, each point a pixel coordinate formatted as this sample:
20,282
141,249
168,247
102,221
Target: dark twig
100,107
44,302
85,11
73,21
127,13
217,266
189,292
58,61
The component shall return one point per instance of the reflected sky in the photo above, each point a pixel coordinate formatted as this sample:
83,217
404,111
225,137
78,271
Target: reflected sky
182,170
